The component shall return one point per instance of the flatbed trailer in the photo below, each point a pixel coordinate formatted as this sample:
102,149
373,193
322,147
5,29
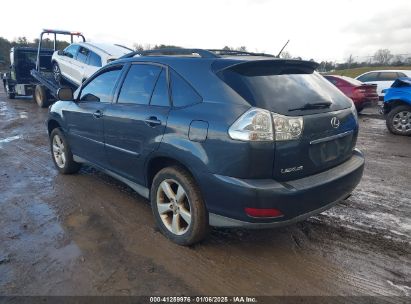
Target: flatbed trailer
46,86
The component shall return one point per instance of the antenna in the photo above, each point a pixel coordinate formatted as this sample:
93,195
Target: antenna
278,56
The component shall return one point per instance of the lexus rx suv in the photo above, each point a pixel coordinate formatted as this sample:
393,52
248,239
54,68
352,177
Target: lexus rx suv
80,60
238,140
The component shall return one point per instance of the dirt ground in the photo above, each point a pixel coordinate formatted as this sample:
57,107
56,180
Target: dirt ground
87,234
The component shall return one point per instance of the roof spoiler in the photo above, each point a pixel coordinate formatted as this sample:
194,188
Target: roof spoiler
267,66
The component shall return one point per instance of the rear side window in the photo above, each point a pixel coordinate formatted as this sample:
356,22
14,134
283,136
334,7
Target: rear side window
368,77
82,55
182,93
160,93
399,74
94,59
387,76
139,84
282,89
101,88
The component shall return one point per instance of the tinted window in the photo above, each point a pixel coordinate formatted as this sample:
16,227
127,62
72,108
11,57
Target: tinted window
71,50
387,76
101,87
160,93
332,80
82,54
181,92
286,94
94,59
139,84
368,77
401,74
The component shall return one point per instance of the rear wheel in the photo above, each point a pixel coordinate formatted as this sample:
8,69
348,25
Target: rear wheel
61,153
177,206
41,97
399,120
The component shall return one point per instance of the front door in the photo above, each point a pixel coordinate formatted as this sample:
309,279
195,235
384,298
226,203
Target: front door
85,117
135,124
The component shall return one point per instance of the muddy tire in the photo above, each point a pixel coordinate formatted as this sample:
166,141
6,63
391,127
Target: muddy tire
61,153
398,120
41,97
178,207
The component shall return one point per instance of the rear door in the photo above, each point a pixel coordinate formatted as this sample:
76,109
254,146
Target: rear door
85,117
79,65
385,80
135,124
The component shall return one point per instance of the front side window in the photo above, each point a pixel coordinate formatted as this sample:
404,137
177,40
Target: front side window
139,84
71,50
82,55
100,88
94,59
368,77
182,93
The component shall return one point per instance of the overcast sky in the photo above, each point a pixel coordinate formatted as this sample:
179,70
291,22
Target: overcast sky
318,29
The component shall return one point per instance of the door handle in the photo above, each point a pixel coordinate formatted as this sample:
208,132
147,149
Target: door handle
98,114
152,121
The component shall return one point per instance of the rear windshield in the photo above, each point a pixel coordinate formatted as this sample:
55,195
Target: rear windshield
286,91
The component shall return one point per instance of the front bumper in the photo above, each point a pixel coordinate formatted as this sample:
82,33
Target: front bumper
227,197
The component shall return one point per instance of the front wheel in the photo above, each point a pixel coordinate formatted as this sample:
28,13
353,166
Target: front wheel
399,120
56,73
178,208
61,153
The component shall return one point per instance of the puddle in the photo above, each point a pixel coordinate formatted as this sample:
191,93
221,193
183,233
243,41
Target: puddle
9,139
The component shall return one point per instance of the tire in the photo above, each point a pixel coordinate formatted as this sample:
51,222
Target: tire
41,97
61,153
8,93
57,73
399,120
183,220
11,95
359,108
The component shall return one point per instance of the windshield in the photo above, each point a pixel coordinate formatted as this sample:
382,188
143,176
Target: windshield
291,93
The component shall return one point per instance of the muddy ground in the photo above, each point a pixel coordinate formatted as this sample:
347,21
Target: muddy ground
87,234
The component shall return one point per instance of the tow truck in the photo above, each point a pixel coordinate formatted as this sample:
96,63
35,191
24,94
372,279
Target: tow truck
46,86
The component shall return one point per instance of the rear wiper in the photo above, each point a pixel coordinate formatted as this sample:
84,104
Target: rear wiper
312,106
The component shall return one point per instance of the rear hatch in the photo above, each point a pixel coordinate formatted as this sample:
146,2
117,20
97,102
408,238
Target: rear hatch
291,88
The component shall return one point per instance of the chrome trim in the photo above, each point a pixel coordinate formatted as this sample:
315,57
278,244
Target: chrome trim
123,150
143,191
313,142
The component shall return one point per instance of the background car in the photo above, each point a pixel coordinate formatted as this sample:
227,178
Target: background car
397,107
361,94
383,79
80,60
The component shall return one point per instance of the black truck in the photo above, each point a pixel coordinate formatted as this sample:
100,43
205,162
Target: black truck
18,81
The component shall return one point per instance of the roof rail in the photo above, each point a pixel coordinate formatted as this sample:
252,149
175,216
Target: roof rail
173,51
238,53
203,53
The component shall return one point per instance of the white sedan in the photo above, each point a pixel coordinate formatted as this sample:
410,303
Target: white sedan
80,60
383,78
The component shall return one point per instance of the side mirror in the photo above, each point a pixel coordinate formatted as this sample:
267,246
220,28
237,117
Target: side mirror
60,53
65,94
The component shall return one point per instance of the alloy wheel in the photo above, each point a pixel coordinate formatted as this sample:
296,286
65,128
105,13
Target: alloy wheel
402,121
174,206
59,151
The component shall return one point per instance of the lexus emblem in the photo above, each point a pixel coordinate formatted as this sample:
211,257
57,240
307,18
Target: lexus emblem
335,122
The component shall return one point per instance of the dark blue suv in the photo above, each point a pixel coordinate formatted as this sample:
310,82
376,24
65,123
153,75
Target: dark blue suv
213,138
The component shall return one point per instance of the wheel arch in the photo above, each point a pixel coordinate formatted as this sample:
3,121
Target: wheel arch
393,103
52,124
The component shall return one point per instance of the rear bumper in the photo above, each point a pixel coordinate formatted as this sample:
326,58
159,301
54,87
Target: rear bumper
227,197
366,102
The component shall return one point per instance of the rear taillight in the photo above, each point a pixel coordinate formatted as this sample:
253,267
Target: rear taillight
261,125
257,212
